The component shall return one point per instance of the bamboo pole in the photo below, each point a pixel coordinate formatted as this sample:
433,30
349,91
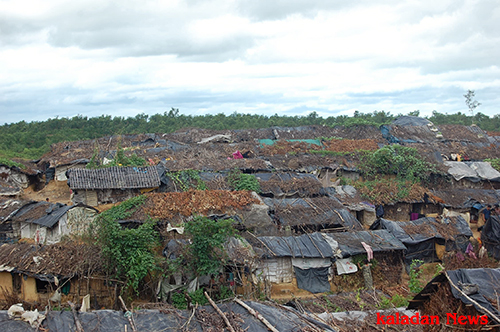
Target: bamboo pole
468,298
78,324
256,315
129,317
219,312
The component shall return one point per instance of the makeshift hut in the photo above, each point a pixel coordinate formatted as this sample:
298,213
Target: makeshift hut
428,238
304,260
302,215
111,185
46,222
289,185
382,243
33,274
465,299
21,176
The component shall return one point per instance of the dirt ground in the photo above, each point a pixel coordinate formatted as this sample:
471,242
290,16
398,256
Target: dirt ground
55,191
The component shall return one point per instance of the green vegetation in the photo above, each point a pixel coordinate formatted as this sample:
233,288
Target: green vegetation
495,163
396,301
11,163
206,254
402,161
30,140
187,180
241,181
120,160
415,272
384,190
179,300
128,253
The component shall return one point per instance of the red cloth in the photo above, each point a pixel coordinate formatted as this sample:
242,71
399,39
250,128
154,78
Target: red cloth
237,155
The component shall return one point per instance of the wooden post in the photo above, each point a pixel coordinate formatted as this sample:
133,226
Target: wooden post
256,315
78,324
219,312
129,317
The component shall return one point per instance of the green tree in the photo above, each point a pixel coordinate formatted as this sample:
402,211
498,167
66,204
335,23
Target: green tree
470,102
208,237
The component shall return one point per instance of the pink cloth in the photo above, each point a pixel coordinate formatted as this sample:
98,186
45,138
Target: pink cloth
369,251
237,155
470,251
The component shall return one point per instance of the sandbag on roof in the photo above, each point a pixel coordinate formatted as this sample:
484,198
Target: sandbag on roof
379,240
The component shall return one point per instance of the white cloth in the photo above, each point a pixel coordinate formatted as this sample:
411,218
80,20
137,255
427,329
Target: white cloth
345,266
311,263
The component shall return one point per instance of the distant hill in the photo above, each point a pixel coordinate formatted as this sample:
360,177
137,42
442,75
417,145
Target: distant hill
30,140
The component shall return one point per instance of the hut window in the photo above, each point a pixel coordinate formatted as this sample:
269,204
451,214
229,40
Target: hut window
16,282
45,286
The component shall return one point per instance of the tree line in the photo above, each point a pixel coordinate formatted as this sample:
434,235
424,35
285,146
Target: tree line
30,140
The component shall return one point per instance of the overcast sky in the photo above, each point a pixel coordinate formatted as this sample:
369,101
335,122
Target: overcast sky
291,57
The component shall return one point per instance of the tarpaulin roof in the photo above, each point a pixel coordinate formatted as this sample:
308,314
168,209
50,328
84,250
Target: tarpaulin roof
305,246
487,280
467,197
426,229
379,240
282,318
490,236
42,213
408,120
114,178
473,171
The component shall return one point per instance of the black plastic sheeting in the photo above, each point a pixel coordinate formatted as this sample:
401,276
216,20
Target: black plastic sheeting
490,236
422,246
488,281
313,280
156,321
297,246
379,240
395,228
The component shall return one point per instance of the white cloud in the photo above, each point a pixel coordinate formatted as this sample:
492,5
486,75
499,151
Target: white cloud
93,57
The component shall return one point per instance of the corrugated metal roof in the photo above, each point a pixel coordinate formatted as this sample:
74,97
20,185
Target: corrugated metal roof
114,178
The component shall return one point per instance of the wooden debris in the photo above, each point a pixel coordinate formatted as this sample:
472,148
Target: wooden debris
219,312
256,315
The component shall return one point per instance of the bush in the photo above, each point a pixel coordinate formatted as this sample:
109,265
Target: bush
240,181
128,253
208,237
402,161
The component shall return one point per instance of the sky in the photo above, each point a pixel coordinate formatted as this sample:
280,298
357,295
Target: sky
62,58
